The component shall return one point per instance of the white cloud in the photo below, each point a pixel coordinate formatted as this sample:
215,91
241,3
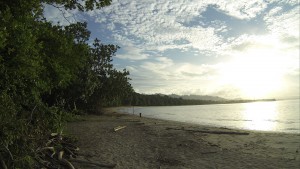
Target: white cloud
169,77
285,23
156,22
130,50
131,69
132,53
192,71
243,9
269,44
280,2
158,66
275,11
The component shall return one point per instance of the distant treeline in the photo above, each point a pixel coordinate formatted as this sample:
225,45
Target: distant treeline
164,100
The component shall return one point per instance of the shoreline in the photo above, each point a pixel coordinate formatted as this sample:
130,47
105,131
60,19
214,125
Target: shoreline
115,109
153,143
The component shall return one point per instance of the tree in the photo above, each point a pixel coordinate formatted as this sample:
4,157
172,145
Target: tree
47,70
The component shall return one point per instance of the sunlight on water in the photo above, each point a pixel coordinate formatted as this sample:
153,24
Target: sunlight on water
276,116
260,116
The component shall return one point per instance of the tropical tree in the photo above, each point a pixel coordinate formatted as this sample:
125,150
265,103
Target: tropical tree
46,71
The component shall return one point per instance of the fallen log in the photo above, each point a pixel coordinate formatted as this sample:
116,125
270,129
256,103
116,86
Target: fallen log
210,131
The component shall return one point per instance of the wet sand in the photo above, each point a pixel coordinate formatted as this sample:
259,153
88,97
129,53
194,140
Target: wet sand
147,143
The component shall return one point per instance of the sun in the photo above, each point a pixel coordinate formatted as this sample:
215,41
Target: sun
256,73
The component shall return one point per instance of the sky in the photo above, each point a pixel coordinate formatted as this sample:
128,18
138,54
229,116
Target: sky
226,48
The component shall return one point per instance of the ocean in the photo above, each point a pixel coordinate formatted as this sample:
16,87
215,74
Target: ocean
272,116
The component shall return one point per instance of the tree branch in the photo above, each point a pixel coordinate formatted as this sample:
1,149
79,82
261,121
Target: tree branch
60,8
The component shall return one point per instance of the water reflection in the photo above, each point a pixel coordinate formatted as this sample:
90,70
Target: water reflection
260,116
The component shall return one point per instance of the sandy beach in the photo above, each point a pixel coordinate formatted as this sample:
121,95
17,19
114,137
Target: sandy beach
144,143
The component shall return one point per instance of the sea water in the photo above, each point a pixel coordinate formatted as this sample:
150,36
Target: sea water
274,116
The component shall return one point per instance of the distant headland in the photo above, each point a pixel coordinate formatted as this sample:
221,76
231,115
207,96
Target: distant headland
138,99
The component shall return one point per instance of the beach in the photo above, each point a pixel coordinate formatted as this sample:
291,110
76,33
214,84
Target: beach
140,142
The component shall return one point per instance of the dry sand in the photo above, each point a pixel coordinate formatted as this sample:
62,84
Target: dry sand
153,144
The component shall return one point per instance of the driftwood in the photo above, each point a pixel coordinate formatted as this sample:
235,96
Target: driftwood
64,161
60,152
93,163
56,152
210,132
119,128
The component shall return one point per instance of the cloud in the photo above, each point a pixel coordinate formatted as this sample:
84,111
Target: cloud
158,66
132,53
243,9
290,39
283,23
275,11
283,44
203,71
169,77
156,23
129,49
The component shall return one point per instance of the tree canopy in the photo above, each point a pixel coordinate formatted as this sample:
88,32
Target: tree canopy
47,71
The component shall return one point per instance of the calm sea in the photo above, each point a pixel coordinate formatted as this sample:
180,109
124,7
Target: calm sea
275,116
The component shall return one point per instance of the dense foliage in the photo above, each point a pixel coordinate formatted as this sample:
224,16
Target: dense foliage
164,100
137,99
47,71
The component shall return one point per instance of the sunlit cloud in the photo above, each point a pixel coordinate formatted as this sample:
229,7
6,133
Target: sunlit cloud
242,9
284,24
132,53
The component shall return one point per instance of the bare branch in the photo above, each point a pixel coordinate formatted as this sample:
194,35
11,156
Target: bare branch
61,9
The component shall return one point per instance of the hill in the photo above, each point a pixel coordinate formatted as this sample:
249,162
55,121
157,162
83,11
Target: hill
198,97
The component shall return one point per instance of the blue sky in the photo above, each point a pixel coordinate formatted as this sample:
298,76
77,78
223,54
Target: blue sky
223,47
